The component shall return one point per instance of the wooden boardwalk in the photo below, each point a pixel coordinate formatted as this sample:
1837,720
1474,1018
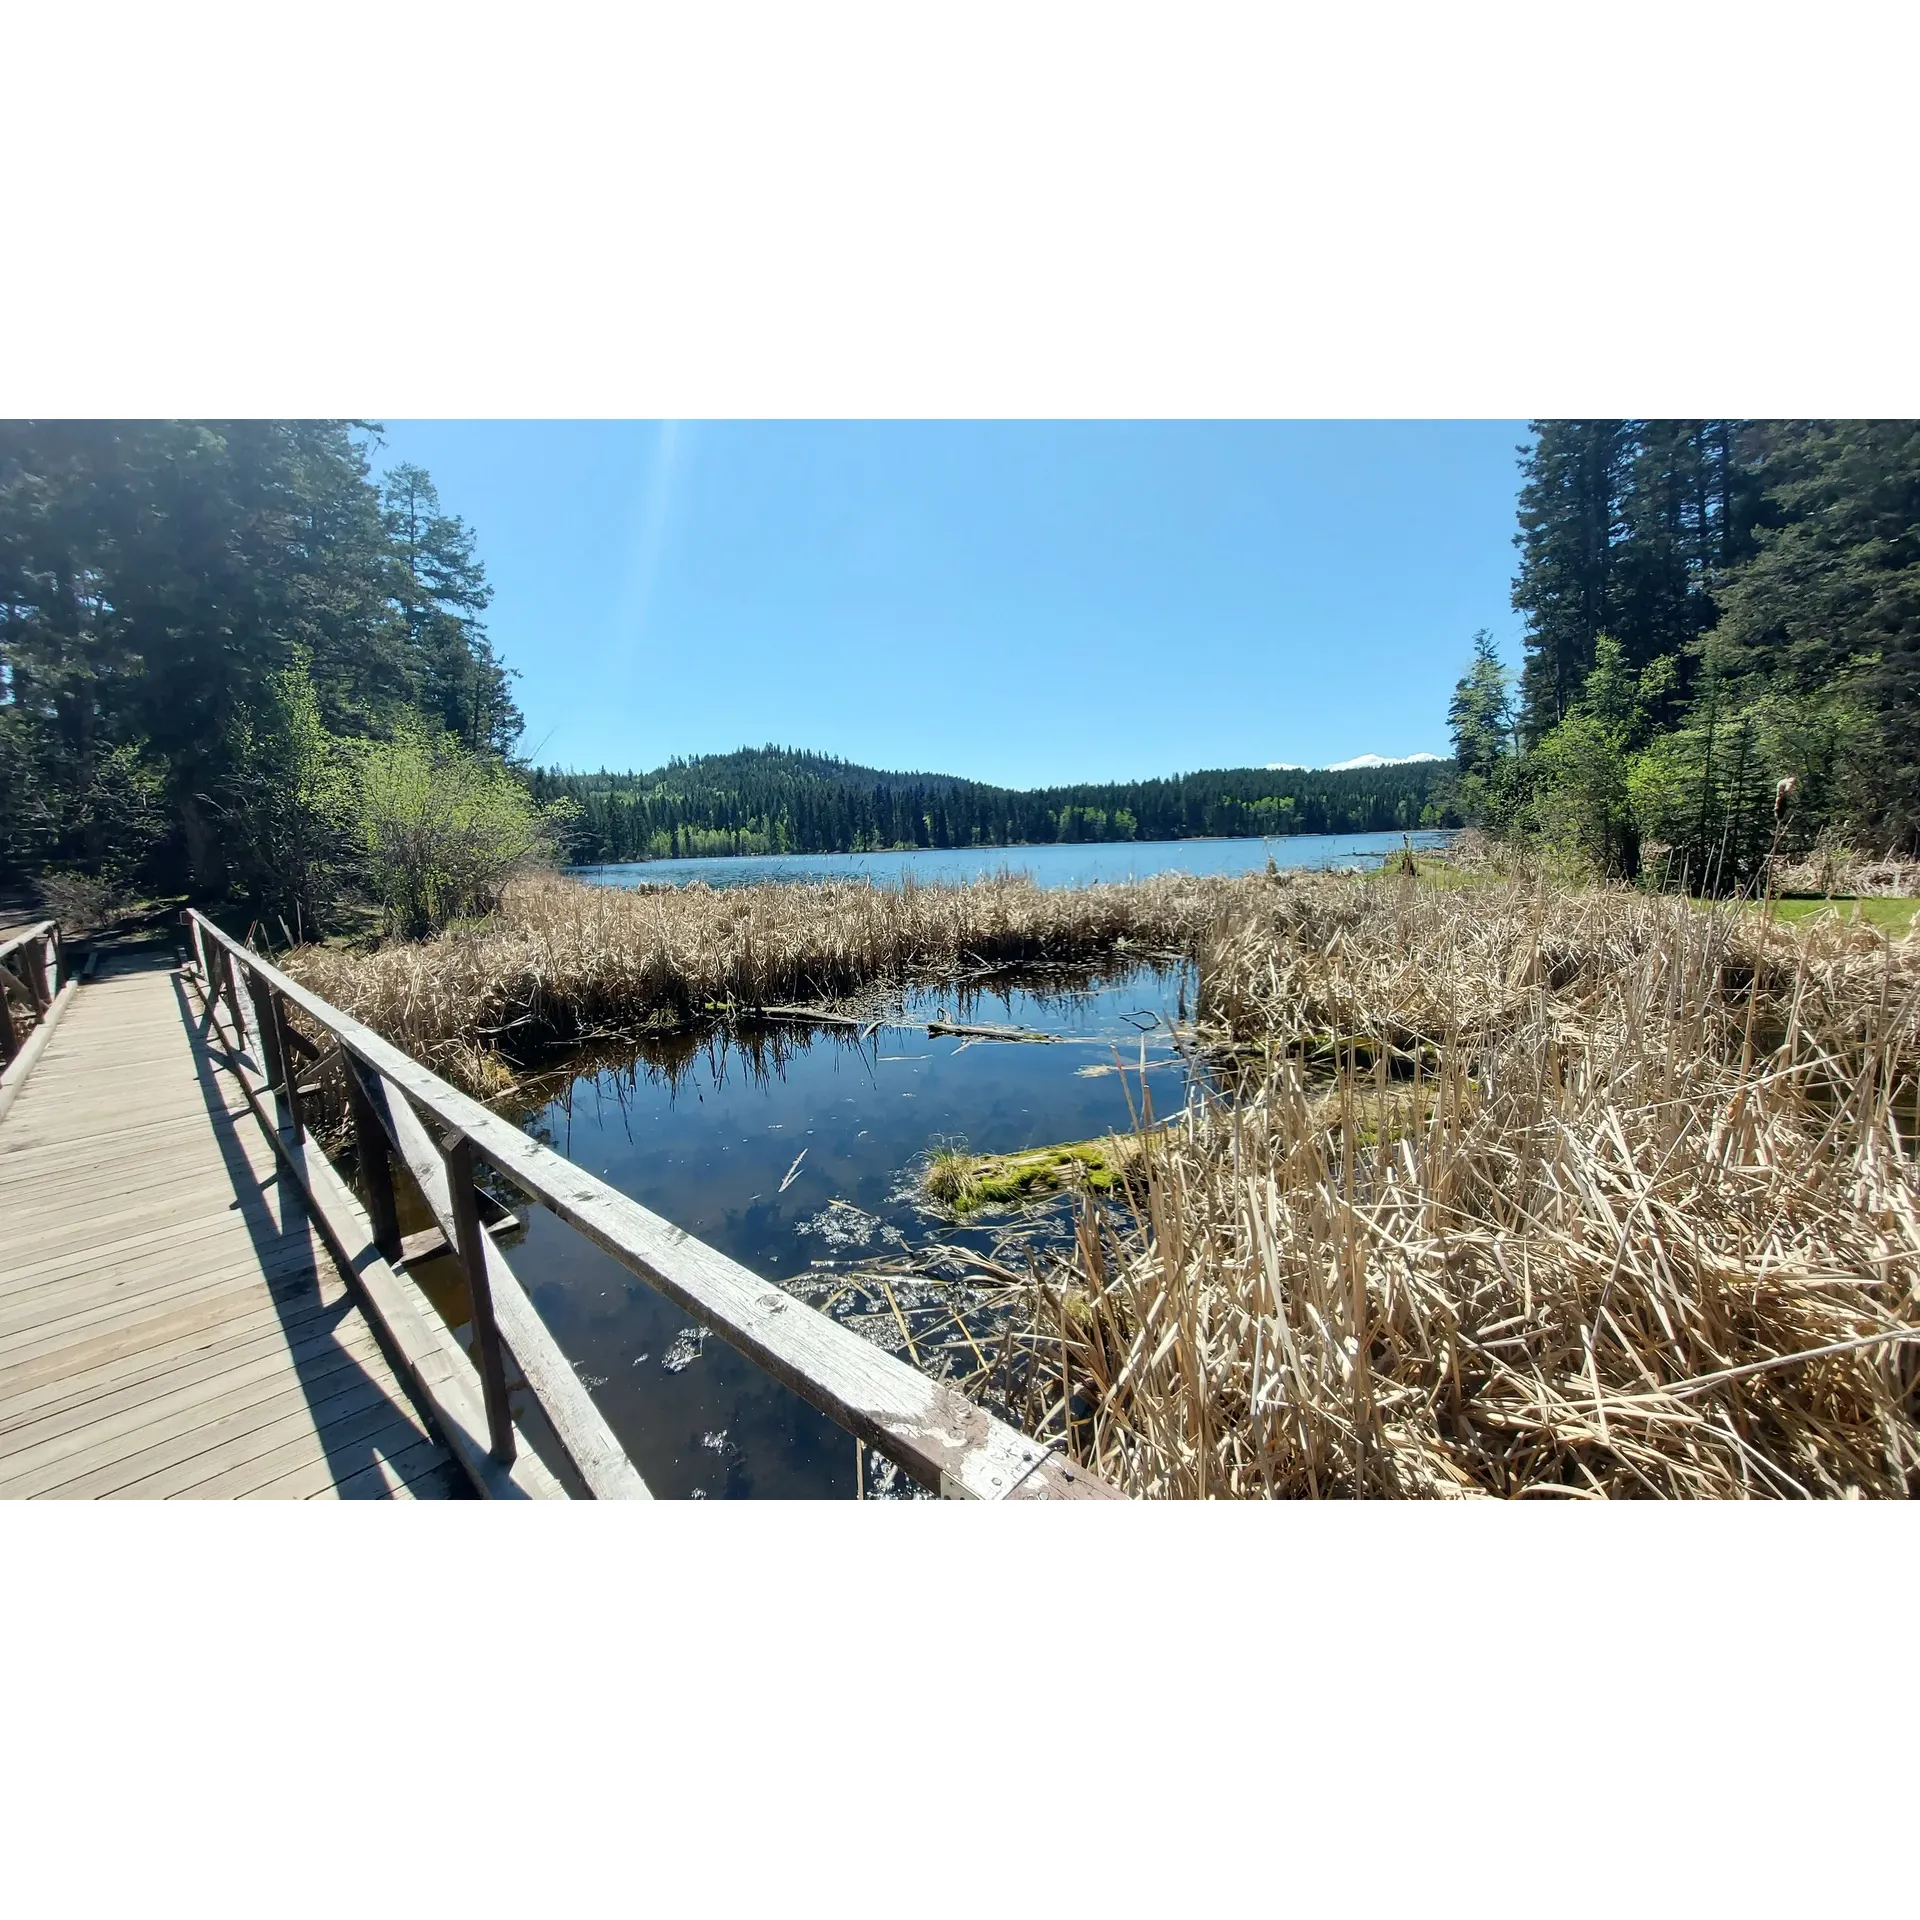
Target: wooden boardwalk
171,1325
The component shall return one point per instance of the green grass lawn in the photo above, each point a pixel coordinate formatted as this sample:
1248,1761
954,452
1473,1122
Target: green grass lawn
1890,916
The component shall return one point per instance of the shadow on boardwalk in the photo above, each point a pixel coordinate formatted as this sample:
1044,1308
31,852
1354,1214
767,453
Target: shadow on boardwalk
171,1325
353,1401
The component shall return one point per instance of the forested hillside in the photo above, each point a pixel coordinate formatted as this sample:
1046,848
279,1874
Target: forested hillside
1722,651
231,661
769,800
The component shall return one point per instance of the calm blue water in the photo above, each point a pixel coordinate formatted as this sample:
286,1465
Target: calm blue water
796,1151
1050,866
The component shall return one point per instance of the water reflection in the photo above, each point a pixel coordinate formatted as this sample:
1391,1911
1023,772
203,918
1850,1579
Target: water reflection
796,1149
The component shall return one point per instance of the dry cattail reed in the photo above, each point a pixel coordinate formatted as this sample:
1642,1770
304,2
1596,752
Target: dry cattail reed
1527,1192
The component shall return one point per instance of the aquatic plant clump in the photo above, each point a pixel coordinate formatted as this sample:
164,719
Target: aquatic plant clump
967,1182
1621,1199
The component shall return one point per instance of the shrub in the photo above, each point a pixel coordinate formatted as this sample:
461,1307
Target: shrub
82,902
441,828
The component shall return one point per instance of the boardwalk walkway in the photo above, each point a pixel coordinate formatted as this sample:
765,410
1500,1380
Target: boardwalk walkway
171,1325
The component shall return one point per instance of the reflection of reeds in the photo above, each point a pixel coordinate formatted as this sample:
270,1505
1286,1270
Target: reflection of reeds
669,1059
1602,1195
563,960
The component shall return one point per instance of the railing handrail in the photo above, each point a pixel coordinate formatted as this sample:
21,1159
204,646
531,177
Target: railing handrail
932,1431
577,1423
20,936
38,947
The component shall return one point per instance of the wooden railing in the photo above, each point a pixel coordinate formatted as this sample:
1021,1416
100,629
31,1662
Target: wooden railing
439,1137
29,979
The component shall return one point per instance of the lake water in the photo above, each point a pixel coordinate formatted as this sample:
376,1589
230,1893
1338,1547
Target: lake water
1050,866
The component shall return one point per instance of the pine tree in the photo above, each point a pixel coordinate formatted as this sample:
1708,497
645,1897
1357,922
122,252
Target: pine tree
1831,601
442,592
1480,716
158,579
1570,520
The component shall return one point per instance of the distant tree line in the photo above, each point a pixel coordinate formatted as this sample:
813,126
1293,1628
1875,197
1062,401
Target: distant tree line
1722,650
773,800
234,663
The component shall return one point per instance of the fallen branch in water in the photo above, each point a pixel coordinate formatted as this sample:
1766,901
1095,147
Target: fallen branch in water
968,1032
815,1016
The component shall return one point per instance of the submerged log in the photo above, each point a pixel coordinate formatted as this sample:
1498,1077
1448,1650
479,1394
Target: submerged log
968,1032
816,1015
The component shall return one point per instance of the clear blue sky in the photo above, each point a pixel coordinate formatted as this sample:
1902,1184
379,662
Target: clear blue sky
1023,603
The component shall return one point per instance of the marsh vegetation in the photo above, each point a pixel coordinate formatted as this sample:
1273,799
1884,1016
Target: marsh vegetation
1489,1185
1621,1200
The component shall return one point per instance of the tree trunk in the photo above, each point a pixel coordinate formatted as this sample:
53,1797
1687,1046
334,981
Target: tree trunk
204,860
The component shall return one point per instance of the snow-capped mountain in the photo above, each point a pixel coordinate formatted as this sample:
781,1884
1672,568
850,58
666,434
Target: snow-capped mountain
1358,761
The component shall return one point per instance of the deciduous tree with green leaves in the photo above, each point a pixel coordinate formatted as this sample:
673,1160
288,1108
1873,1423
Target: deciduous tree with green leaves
441,828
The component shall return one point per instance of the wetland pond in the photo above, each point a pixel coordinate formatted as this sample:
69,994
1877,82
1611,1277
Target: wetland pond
797,1149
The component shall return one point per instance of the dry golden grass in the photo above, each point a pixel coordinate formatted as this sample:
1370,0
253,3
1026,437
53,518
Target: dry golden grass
562,959
1847,872
1606,1196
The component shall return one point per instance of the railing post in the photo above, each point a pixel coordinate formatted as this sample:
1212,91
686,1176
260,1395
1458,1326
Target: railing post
214,960
274,1022
35,955
470,1247
376,1162
233,995
273,1051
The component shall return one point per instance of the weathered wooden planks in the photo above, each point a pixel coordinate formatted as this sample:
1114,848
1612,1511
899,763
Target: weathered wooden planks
171,1323
127,1405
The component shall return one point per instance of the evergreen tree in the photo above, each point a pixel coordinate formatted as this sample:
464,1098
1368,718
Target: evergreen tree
155,576
1480,716
442,591
1831,601
1570,519
771,799
158,581
1760,592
